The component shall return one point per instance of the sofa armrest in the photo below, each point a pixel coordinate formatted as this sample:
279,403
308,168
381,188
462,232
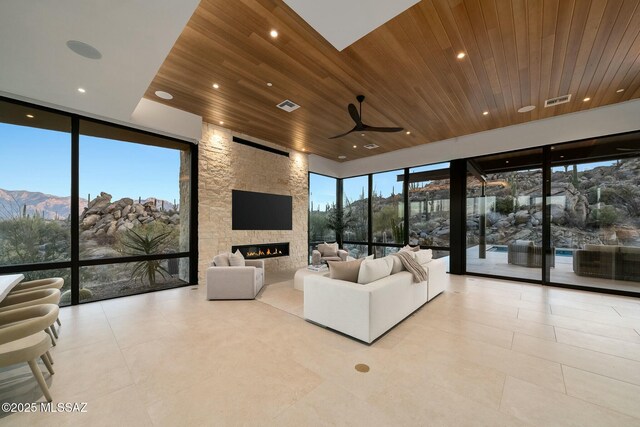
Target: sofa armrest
343,254
257,263
231,282
338,304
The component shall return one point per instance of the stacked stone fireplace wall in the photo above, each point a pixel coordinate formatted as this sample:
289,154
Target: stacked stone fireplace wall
225,165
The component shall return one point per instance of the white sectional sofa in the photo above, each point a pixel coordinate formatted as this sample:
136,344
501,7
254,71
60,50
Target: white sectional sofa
365,312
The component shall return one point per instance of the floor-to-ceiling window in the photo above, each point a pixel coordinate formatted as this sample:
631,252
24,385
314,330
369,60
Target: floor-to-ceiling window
130,230
430,208
323,210
595,213
504,215
387,212
355,204
35,189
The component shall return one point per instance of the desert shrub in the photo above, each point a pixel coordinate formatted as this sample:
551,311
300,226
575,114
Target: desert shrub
605,216
504,205
31,239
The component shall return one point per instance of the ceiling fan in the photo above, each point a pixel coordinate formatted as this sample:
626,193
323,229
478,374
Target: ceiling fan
361,127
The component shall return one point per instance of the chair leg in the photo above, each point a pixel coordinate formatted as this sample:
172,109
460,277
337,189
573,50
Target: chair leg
43,385
53,331
53,341
58,321
47,363
49,357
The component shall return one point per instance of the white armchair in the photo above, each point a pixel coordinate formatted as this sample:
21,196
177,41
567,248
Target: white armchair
328,252
225,282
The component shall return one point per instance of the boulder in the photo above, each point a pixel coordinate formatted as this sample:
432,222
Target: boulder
522,217
126,210
90,220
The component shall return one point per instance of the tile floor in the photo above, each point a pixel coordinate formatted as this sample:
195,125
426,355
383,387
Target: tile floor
486,352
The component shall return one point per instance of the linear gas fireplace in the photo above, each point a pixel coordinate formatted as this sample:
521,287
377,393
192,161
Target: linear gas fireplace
265,250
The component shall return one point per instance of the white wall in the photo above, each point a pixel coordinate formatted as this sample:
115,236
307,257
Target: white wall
612,119
155,117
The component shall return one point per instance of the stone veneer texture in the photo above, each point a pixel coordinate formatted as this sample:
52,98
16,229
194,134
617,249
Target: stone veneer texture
224,165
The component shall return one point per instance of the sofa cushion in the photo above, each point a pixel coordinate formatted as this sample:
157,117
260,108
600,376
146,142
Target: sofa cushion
328,249
331,258
602,248
629,250
424,256
345,270
236,259
372,270
221,260
411,248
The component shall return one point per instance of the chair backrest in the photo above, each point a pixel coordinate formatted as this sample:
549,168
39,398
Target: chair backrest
22,322
53,282
29,298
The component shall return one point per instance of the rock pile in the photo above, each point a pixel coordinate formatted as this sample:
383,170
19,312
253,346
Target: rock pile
103,217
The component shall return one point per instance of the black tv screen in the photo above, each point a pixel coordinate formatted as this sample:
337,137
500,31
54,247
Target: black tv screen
260,211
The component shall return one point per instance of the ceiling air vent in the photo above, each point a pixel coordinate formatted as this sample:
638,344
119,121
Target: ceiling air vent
288,106
558,100
370,146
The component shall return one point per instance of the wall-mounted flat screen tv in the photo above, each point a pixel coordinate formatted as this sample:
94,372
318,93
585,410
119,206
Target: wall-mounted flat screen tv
260,211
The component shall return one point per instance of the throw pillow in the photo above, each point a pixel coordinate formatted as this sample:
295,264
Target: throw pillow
397,265
328,249
372,270
236,259
411,248
221,260
344,270
424,256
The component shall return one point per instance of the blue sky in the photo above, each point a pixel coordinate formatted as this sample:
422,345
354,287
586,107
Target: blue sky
40,160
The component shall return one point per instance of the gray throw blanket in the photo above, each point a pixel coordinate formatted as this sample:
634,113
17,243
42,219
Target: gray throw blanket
412,266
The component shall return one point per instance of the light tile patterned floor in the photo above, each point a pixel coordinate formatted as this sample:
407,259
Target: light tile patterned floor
486,352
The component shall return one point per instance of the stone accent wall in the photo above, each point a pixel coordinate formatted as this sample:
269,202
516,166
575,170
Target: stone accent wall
225,165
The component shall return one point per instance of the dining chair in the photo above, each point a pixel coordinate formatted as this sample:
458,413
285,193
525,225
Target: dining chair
31,298
22,339
32,285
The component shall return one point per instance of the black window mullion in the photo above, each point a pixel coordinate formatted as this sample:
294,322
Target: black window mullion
74,210
405,195
370,215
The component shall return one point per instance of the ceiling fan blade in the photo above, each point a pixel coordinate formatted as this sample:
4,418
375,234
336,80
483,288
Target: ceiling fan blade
381,129
353,112
344,134
628,149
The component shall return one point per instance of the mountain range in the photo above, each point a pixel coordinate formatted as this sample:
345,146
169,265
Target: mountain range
48,206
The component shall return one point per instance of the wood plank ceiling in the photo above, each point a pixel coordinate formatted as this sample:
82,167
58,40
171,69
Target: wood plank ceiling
518,53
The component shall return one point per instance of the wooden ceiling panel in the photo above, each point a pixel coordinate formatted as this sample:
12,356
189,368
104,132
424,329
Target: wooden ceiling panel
518,52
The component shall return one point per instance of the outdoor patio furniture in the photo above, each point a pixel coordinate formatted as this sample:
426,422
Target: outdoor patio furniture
608,262
526,254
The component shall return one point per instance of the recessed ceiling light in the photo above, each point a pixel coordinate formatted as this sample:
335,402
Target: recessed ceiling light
216,86
526,108
221,122
586,99
620,90
81,90
362,134
83,49
408,132
355,146
273,33
31,116
164,95
553,148
461,55
562,157
507,161
304,149
485,113
342,157
269,84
